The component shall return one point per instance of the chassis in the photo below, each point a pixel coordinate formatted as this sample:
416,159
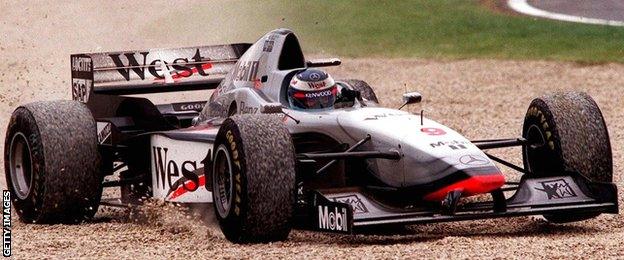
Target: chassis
267,168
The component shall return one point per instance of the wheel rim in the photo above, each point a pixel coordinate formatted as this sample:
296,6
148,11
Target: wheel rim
537,151
20,166
222,181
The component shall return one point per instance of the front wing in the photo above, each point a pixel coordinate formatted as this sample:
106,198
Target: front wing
346,210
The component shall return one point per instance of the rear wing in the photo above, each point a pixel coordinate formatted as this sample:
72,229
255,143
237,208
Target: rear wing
151,71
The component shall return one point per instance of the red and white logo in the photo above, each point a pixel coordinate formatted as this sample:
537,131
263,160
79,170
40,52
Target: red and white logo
432,131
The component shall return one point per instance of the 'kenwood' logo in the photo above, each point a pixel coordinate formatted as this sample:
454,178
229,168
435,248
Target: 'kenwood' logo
319,94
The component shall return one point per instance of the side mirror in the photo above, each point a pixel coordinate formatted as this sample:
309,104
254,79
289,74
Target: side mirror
323,63
411,98
271,108
275,108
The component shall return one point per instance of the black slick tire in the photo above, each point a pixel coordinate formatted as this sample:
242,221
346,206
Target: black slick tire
569,135
52,163
253,179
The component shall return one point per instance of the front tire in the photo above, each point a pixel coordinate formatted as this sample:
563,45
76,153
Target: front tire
52,164
569,135
253,179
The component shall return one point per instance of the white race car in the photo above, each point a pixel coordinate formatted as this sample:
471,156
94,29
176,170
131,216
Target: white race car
267,167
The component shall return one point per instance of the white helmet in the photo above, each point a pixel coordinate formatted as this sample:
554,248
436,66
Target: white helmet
312,89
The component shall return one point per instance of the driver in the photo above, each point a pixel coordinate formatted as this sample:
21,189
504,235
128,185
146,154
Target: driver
312,89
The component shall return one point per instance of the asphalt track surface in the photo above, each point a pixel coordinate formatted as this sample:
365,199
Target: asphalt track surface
604,12
479,98
601,9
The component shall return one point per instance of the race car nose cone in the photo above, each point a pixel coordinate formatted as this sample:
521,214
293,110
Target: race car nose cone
475,184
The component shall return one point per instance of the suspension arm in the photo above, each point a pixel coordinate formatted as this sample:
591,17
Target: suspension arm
392,155
500,143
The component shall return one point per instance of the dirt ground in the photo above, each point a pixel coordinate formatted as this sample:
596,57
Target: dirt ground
480,98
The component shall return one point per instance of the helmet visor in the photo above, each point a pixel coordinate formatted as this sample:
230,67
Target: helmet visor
320,99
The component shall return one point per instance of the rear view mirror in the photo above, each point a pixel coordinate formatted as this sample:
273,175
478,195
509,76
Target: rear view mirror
323,63
411,98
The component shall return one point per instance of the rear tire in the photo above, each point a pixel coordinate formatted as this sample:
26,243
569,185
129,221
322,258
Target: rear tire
571,136
365,90
52,164
253,179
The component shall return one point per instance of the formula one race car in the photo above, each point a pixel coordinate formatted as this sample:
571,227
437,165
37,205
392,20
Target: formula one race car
268,167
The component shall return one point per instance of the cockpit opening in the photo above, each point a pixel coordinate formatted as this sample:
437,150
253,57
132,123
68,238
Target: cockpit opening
291,56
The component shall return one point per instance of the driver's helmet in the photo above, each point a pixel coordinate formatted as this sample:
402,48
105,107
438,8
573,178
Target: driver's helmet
312,89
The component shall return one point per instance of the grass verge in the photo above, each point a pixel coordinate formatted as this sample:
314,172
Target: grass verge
453,29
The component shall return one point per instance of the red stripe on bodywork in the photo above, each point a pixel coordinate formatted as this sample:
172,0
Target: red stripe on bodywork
185,73
471,186
181,190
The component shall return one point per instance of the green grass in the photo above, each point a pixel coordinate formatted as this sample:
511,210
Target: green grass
453,29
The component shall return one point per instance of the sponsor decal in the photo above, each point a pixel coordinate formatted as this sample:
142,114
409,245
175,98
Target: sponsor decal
315,76
246,71
473,160
82,78
189,106
268,45
104,131
333,218
81,89
455,145
81,64
169,170
557,189
301,196
223,88
180,65
6,223
245,109
186,184
545,128
432,131
355,202
178,178
380,116
257,84
229,136
319,94
179,74
316,85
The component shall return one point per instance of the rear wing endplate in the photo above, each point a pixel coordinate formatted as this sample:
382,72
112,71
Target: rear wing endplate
152,71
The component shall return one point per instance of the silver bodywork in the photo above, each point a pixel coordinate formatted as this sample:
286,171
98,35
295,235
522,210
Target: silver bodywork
411,169
247,79
425,156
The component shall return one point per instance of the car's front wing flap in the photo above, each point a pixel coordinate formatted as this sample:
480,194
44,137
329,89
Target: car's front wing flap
322,214
570,194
